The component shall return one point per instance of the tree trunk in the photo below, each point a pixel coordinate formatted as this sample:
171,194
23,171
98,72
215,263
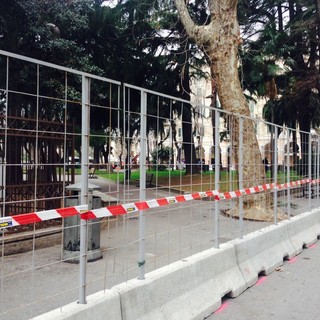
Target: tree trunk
232,99
279,9
187,129
220,40
96,154
304,126
213,106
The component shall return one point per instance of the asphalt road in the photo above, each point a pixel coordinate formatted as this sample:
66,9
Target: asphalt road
289,293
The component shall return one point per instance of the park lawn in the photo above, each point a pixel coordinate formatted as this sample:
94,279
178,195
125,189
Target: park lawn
177,179
204,181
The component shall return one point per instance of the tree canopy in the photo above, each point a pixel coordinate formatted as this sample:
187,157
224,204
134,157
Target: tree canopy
280,60
145,43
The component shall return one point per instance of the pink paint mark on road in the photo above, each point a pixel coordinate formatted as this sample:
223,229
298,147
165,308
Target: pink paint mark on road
222,308
312,246
293,260
261,280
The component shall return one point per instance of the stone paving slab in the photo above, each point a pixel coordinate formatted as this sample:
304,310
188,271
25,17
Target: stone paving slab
28,286
291,292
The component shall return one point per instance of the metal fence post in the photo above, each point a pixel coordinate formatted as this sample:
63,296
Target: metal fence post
84,186
288,174
314,166
217,175
318,163
309,168
142,191
275,172
240,162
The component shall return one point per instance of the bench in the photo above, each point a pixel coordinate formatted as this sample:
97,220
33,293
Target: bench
92,171
309,192
149,178
106,199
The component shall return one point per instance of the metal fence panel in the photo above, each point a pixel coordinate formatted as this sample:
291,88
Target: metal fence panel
102,182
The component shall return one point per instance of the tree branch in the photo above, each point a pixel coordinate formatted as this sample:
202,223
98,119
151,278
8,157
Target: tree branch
191,28
214,6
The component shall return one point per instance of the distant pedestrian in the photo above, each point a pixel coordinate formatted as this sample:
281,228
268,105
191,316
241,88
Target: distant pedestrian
266,164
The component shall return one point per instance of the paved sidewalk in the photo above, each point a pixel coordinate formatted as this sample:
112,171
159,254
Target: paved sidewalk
36,282
289,293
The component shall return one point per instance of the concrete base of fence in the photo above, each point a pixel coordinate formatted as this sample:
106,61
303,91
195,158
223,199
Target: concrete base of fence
261,252
187,289
101,305
193,288
303,230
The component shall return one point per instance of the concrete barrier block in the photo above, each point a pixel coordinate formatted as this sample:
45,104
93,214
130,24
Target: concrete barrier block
101,305
304,229
262,251
188,289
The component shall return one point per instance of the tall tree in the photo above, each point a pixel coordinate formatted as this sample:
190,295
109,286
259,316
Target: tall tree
219,38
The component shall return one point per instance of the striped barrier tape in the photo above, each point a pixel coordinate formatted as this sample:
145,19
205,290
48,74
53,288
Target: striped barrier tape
144,205
138,206
34,217
242,192
121,209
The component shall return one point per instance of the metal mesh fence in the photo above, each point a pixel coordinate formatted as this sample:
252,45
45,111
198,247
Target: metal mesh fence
102,182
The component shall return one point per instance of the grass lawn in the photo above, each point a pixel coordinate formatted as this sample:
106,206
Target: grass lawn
192,183
175,178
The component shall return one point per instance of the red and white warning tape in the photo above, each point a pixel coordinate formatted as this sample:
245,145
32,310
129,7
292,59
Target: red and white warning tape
121,209
34,217
143,205
235,194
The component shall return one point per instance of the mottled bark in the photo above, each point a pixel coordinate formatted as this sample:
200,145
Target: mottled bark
220,40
